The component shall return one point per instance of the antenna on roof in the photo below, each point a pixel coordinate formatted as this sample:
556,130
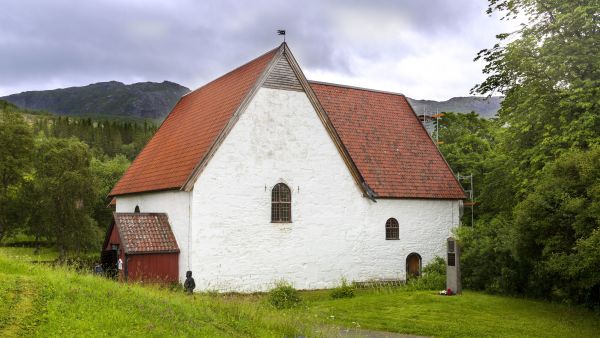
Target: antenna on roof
281,32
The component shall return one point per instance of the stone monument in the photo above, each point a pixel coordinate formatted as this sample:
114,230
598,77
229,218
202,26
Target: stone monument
453,267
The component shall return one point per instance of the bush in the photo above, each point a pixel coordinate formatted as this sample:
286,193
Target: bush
345,290
436,266
284,296
433,278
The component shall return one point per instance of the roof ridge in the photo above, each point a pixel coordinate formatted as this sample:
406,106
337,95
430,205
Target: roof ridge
233,70
354,87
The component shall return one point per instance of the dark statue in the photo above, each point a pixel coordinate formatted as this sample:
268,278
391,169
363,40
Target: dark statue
189,284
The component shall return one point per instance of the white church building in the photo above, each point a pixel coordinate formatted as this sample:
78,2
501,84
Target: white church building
266,176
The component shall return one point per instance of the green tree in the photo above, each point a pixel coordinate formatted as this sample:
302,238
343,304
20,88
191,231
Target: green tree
67,194
540,188
106,174
557,225
549,71
16,145
468,142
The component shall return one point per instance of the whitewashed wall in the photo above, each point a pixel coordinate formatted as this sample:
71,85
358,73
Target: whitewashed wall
335,232
176,205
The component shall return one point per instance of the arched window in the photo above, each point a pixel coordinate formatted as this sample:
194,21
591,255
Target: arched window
392,230
137,209
281,204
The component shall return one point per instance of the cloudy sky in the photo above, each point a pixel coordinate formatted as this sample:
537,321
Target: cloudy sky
422,48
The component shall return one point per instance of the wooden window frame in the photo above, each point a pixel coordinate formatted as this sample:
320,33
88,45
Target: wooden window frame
392,230
281,200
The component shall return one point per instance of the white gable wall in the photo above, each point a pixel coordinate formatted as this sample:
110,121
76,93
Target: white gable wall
335,232
175,204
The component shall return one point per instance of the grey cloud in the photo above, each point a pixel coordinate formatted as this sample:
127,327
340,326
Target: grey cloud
78,42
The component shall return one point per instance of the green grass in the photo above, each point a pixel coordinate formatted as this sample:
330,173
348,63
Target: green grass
39,300
26,254
470,315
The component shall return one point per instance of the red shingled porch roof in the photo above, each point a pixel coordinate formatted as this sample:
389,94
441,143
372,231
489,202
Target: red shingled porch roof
142,233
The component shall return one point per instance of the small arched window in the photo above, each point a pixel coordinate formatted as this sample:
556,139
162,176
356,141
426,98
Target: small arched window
281,204
392,230
137,209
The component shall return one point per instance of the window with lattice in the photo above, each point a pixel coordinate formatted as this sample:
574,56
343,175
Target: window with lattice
392,229
281,204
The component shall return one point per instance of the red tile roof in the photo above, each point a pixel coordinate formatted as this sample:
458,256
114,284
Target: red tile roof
145,233
387,142
390,148
188,132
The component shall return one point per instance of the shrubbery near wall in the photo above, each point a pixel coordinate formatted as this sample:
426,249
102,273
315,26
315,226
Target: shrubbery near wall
284,296
345,290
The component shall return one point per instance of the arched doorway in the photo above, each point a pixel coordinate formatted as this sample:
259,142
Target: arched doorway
413,265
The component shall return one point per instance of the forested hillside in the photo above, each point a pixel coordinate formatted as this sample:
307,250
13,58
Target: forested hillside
144,100
55,173
155,100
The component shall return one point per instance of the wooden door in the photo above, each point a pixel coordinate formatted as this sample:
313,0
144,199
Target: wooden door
413,265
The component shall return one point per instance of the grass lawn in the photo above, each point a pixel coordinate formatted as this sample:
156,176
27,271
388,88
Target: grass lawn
39,300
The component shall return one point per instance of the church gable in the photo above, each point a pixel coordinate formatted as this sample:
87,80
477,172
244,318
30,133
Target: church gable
282,76
283,73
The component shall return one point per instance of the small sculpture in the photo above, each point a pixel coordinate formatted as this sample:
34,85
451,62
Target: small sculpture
189,284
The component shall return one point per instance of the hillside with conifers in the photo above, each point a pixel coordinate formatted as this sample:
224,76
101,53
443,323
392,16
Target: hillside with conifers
56,173
154,100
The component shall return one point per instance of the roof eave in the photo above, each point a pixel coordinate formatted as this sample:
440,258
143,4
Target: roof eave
151,252
145,191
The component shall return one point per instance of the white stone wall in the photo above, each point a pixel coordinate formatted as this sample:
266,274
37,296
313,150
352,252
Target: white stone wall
335,232
176,205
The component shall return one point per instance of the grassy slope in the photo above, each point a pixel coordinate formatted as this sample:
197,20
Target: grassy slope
36,300
41,301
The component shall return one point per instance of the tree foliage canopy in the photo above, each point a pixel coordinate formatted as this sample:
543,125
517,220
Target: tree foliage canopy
16,143
53,185
538,225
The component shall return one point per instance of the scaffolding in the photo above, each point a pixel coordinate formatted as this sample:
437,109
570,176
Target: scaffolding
431,122
469,180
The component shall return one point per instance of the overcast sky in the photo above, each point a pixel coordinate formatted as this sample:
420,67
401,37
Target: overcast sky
422,48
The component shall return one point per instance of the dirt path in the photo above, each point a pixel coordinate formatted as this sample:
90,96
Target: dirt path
18,314
335,331
374,334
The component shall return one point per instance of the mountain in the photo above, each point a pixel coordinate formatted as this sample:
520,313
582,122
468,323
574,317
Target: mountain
144,99
485,107
155,100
